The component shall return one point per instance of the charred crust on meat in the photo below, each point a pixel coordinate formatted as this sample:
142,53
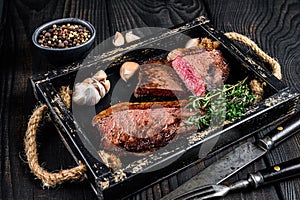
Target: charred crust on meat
158,79
184,52
143,126
149,125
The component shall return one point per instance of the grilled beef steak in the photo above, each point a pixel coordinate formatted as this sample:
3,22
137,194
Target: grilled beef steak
143,126
200,69
158,80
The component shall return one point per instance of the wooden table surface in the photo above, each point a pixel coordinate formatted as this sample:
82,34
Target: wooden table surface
273,24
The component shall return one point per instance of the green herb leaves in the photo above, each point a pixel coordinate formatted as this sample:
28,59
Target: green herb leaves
218,105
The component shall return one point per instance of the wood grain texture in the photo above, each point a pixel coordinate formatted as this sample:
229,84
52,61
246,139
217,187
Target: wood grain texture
273,25
126,15
275,28
266,193
17,102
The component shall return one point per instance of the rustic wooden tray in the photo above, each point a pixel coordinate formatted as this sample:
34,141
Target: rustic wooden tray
139,172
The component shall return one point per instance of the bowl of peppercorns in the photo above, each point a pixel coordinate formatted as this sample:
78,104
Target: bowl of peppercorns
64,40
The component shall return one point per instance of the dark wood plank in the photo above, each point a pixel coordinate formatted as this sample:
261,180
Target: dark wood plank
266,193
126,15
273,25
261,193
17,100
5,177
290,188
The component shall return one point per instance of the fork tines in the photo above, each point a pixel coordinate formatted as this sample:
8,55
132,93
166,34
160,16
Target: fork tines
197,192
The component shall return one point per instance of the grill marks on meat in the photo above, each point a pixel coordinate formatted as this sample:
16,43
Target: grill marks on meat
143,126
200,69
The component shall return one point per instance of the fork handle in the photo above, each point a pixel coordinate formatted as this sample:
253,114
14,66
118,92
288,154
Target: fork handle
275,173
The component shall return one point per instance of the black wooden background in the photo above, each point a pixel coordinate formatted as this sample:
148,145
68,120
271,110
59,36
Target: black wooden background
273,24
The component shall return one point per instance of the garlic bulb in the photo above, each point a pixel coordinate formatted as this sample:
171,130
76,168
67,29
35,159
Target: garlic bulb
86,94
129,37
192,42
118,39
128,69
91,90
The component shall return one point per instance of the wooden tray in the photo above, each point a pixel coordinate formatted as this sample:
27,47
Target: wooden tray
141,171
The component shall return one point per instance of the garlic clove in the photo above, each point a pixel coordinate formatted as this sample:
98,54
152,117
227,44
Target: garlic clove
100,88
106,85
100,75
86,94
129,37
128,69
192,42
118,39
88,81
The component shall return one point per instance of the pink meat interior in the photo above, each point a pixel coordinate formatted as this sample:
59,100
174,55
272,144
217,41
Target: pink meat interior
192,79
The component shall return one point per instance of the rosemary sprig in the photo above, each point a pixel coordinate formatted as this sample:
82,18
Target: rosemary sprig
218,105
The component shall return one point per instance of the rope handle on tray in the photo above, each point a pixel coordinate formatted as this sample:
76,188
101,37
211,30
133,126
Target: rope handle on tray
51,179
255,85
258,51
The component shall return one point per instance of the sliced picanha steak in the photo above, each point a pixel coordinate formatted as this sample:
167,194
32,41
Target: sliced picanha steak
200,69
159,80
143,126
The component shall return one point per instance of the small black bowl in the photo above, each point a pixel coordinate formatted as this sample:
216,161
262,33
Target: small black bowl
65,55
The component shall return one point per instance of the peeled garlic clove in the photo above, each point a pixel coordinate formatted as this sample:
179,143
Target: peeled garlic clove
106,85
86,94
100,75
192,42
128,69
129,37
118,39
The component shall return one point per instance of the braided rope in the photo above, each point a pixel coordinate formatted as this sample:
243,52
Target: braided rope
48,179
266,58
65,95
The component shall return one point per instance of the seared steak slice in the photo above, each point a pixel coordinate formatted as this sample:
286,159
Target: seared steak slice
143,126
200,69
157,78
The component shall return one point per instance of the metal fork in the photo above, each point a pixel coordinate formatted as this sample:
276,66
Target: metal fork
265,176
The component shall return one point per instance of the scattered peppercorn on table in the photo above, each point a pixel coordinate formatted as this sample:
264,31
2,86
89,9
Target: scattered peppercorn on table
271,24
